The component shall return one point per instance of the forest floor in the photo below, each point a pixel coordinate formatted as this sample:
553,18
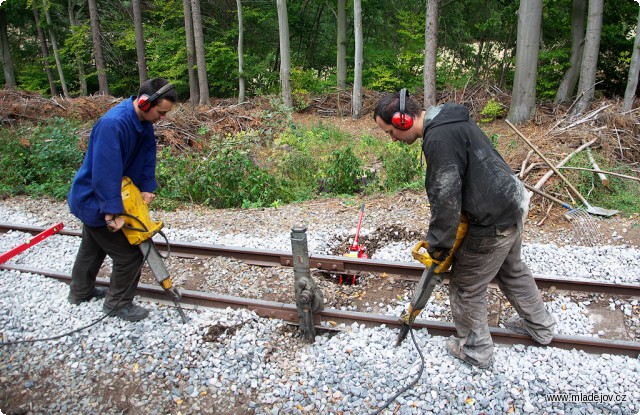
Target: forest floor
614,135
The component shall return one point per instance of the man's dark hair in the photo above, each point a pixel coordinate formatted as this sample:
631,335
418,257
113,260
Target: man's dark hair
151,86
389,104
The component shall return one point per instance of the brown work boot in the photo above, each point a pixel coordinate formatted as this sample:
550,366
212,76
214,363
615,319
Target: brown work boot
453,344
518,325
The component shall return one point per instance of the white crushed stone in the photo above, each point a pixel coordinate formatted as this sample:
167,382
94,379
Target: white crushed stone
260,367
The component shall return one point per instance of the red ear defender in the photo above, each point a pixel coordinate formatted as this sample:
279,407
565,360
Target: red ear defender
145,101
402,120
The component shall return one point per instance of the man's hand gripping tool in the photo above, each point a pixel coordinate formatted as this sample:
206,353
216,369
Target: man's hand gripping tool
430,277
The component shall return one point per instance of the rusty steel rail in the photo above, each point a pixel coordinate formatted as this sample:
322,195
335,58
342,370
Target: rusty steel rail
288,313
408,270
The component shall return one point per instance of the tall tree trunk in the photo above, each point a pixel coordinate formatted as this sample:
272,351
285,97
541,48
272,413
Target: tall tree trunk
45,52
103,85
285,53
341,61
7,60
523,97
634,72
587,82
570,78
198,38
240,53
194,94
430,52
84,90
140,49
54,45
356,99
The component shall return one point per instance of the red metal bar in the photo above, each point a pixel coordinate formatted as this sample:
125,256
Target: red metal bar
39,237
355,246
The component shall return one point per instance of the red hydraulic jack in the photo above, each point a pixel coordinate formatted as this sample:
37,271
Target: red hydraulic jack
39,237
356,251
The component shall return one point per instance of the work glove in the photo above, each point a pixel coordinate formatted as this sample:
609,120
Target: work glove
438,254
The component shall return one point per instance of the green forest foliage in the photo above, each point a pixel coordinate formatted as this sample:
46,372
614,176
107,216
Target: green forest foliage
476,44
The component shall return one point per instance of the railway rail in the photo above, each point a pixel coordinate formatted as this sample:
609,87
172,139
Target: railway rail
329,263
288,312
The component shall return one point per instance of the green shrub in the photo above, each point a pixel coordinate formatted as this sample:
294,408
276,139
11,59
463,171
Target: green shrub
491,111
227,179
300,169
402,166
14,161
43,162
344,174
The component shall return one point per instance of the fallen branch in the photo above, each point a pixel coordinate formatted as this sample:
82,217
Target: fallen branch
603,178
524,163
586,118
545,216
548,174
605,172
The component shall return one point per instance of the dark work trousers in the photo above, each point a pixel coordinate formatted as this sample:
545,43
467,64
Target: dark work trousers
127,263
478,261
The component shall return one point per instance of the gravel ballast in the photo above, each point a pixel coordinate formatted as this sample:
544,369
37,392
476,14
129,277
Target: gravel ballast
234,362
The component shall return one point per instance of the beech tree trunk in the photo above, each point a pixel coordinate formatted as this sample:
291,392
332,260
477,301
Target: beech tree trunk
587,83
285,59
103,85
198,37
56,54
341,61
523,97
240,53
194,94
430,52
44,48
7,60
634,72
570,79
140,49
356,99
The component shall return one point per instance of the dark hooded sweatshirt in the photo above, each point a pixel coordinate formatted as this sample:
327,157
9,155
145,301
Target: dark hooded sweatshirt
465,174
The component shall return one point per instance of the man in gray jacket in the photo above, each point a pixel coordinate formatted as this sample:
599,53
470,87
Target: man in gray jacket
466,175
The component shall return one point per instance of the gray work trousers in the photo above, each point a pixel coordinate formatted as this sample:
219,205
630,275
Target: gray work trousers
127,259
478,261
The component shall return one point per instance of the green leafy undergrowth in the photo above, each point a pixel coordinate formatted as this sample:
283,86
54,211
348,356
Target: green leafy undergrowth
39,160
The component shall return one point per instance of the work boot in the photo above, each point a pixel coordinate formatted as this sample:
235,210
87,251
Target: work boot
453,344
98,292
129,312
518,325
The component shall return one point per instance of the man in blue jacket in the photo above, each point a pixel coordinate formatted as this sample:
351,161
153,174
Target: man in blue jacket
122,143
466,175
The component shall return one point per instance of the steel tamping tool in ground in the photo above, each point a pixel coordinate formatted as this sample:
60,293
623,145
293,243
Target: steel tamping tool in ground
431,277
309,299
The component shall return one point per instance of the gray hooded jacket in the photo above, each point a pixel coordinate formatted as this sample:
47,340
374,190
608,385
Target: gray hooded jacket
465,174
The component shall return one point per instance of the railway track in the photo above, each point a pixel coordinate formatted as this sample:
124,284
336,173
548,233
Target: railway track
288,312
329,263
